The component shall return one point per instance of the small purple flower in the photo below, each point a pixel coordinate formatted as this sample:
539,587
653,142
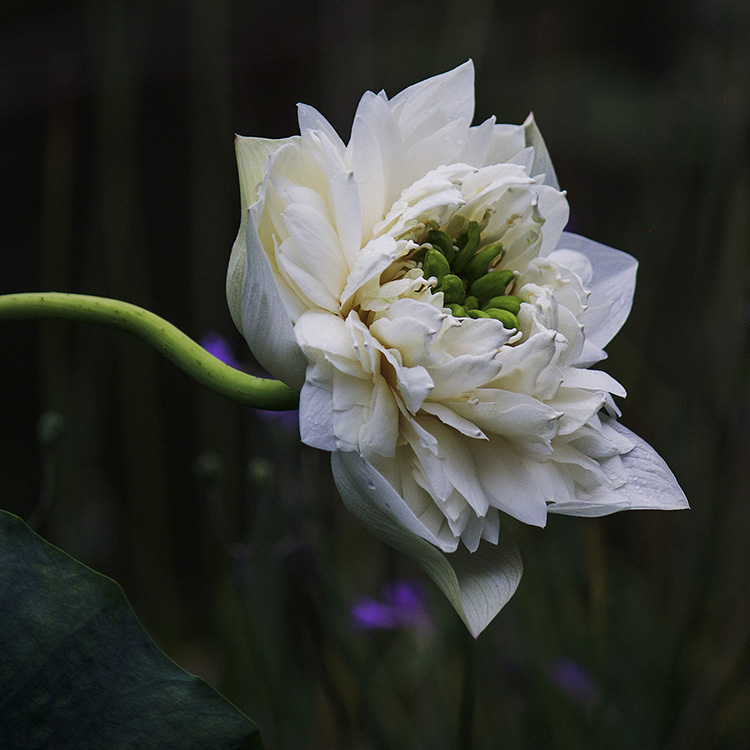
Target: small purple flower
402,606
575,681
287,420
214,343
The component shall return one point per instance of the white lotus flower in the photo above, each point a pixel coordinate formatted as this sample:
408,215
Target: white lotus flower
417,285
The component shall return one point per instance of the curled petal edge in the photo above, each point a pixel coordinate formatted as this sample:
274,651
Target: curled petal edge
477,584
651,485
265,322
252,154
612,290
254,300
542,162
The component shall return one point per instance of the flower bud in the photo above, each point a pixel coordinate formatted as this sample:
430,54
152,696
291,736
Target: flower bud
480,263
435,264
506,318
459,311
452,288
492,284
468,244
441,241
504,302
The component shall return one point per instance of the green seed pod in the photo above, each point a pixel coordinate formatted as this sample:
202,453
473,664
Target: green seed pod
457,310
452,288
504,302
506,318
480,263
478,314
435,265
492,284
441,241
471,303
468,244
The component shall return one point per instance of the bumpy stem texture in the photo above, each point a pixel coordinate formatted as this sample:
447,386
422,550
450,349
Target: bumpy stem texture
163,336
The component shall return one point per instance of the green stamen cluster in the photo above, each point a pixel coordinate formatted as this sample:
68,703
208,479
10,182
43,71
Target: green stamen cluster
467,276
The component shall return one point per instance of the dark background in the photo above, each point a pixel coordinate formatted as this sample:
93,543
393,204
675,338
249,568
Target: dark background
118,179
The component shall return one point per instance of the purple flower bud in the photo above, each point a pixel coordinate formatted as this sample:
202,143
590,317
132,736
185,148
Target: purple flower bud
217,345
575,681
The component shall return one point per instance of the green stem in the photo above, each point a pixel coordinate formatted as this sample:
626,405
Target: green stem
163,336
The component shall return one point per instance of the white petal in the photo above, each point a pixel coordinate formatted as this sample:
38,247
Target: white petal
310,119
474,337
375,149
312,255
506,413
592,380
252,154
511,481
650,484
612,289
478,584
444,146
414,383
354,474
451,418
529,367
553,206
411,327
380,433
477,146
456,454
264,320
371,261
577,407
343,197
576,262
464,373
436,101
324,338
506,142
542,162
316,417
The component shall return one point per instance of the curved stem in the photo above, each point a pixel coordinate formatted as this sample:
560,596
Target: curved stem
163,336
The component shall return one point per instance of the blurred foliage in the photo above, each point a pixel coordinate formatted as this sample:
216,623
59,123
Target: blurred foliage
116,123
80,673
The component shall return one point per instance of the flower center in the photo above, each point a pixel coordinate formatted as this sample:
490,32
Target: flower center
468,274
